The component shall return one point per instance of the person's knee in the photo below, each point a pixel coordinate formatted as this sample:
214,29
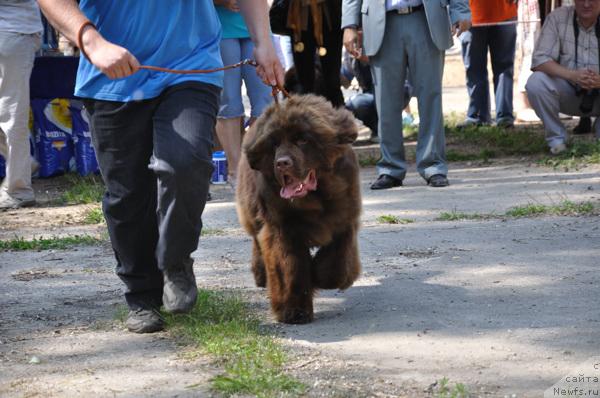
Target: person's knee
537,84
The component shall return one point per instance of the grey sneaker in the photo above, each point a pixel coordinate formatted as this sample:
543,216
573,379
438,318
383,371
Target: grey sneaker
9,202
144,321
557,149
180,290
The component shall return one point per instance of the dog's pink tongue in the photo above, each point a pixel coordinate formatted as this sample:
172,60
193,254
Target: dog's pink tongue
299,189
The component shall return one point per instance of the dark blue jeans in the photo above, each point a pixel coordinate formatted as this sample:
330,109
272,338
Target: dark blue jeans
155,159
501,41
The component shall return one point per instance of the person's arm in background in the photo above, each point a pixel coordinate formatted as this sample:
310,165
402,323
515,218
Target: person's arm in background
113,60
460,16
350,23
256,15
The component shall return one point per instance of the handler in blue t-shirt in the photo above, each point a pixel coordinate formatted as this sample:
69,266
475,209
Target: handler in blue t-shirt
153,131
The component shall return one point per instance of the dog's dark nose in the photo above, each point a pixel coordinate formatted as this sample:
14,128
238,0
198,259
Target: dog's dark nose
284,162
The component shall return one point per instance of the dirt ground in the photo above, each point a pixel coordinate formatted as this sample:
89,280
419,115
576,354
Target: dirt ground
505,306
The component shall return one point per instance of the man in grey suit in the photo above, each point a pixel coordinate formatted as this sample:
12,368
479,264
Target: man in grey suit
400,37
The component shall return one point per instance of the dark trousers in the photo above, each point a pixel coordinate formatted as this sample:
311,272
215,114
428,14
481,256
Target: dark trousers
330,63
501,41
155,157
363,107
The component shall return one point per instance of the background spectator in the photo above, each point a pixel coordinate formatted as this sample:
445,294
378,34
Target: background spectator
396,35
20,38
565,64
236,46
500,40
318,35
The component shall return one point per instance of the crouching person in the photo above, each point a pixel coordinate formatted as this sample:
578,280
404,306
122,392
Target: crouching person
565,65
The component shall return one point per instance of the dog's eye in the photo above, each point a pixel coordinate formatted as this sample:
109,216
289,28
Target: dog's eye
301,141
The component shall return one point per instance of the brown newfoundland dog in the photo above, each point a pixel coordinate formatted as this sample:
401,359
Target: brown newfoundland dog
298,195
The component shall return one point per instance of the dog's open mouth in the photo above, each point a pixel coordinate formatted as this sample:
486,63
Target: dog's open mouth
295,188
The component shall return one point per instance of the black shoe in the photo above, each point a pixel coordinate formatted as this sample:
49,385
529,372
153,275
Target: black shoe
144,321
180,290
584,126
385,181
438,181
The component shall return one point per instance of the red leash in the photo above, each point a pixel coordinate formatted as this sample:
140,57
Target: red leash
275,90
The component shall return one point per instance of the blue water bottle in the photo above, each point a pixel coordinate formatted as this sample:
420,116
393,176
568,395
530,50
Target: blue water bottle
219,175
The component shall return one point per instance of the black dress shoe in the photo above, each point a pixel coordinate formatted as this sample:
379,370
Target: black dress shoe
584,126
438,181
385,181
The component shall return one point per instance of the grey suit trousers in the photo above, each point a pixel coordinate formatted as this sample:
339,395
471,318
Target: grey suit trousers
407,47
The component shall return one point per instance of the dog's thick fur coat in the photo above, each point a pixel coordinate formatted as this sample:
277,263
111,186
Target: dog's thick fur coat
298,189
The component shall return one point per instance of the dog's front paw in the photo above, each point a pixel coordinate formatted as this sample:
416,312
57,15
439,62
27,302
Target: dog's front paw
295,316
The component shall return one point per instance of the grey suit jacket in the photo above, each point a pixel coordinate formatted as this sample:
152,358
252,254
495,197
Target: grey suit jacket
370,14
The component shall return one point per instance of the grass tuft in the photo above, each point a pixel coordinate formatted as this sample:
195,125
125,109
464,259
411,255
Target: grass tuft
222,325
391,219
564,208
54,243
577,155
368,161
93,216
444,390
82,190
487,142
456,215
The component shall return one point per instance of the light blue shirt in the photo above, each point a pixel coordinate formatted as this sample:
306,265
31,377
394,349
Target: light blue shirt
183,34
232,24
396,4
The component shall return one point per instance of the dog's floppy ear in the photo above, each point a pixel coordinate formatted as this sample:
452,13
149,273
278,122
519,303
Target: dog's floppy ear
257,146
345,125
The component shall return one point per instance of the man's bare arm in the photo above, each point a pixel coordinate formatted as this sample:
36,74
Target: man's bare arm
256,15
581,77
113,60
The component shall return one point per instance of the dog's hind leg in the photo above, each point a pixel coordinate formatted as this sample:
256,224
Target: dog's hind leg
287,267
258,265
337,265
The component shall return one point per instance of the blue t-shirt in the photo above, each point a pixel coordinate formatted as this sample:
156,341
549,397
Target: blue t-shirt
178,34
232,23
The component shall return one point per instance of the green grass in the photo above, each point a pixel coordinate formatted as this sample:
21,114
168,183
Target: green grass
367,161
444,390
456,215
82,190
578,154
213,232
391,219
564,208
54,243
222,325
93,216
486,142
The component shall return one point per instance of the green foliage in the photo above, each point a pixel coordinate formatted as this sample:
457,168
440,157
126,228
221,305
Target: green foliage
456,215
222,325
93,216
564,208
577,155
368,161
82,190
444,390
485,142
213,232
391,219
54,243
